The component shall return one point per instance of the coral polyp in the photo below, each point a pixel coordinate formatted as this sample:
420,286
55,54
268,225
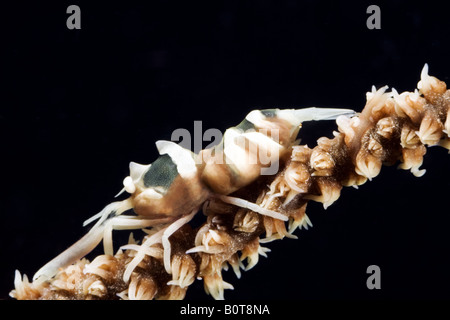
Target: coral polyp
243,209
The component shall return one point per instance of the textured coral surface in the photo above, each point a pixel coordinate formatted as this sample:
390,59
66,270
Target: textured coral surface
392,128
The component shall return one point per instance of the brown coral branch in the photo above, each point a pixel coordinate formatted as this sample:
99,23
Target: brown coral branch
391,128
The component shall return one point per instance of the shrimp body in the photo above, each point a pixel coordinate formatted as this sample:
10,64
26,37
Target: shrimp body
169,192
259,141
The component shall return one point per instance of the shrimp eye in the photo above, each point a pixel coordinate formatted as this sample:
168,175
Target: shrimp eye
129,185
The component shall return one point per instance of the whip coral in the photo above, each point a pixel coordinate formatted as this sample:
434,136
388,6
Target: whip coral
391,128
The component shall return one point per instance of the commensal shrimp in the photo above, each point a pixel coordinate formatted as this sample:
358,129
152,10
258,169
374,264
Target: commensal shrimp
243,209
179,182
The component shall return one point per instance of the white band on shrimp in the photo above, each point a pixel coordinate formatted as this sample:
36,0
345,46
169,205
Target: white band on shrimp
183,158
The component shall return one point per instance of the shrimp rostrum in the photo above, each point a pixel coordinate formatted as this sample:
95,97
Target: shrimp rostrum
166,194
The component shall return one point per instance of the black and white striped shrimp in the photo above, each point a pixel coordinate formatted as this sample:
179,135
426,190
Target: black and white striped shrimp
167,194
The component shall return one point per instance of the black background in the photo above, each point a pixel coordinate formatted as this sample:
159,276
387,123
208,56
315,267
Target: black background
78,105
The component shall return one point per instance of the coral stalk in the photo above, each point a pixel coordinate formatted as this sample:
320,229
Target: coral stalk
391,128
